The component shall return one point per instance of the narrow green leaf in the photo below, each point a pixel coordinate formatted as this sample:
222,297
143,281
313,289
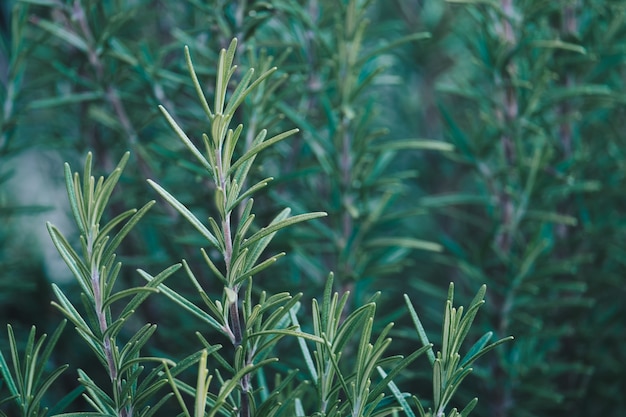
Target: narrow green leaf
354,322
65,99
231,384
559,44
250,153
405,242
298,408
552,217
237,99
258,248
420,144
582,90
196,84
453,385
280,225
398,368
437,384
230,53
184,211
303,347
7,376
64,34
108,228
41,2
476,347
326,303
85,414
329,350
115,242
151,410
286,332
364,341
135,343
71,258
242,230
103,192
47,352
250,191
258,268
185,139
69,310
212,266
220,87
115,327
469,407
187,305
420,330
153,283
397,42
238,95
479,298
236,266
217,232
127,293
419,407
213,351
130,364
486,349
44,385
229,149
68,399
397,394
174,386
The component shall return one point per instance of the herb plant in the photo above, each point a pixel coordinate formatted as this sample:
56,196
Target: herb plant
253,328
447,140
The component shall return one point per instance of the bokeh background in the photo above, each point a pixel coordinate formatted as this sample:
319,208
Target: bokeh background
455,141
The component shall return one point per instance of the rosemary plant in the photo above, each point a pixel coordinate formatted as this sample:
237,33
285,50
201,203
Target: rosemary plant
96,271
357,178
250,332
28,380
521,138
254,322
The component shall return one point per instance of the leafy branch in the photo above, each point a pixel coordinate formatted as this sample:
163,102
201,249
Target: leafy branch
449,370
250,332
96,272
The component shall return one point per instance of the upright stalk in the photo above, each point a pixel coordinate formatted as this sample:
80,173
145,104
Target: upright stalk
508,115
96,286
236,321
568,29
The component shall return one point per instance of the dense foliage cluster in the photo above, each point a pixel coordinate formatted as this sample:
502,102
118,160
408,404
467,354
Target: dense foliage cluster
479,142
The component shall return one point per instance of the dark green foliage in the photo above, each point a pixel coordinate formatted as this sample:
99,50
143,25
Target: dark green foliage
253,329
478,142
521,120
25,378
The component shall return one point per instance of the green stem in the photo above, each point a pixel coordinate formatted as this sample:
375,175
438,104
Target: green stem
102,322
236,322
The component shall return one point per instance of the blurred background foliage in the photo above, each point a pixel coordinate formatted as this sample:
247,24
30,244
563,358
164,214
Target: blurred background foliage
466,141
